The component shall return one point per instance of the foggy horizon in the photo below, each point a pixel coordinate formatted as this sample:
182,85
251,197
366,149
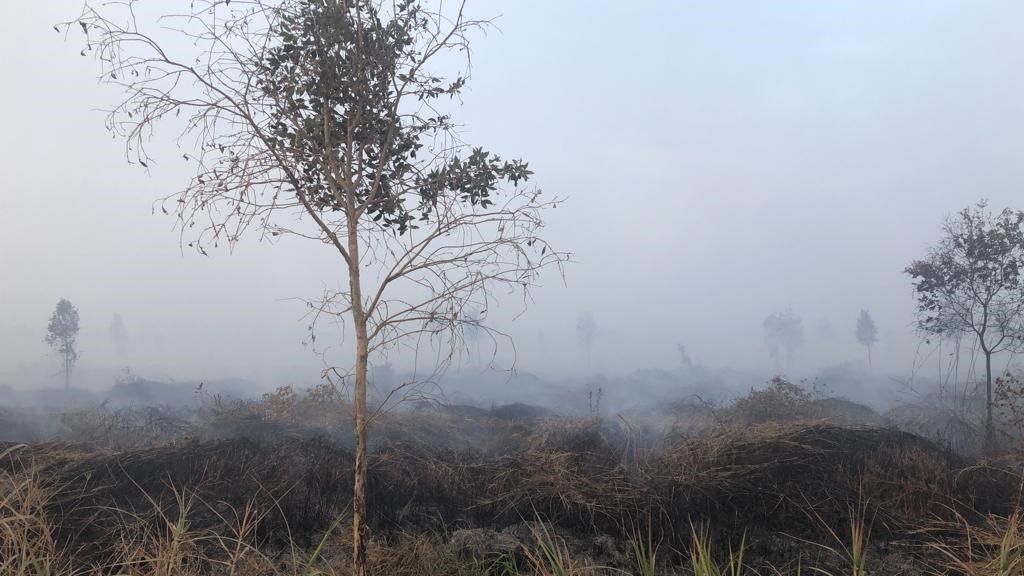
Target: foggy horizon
721,162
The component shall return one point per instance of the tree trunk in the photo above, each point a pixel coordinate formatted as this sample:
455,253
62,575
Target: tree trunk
990,434
359,488
67,371
871,365
359,401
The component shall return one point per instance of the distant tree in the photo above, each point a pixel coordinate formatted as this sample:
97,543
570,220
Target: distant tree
784,334
61,335
118,334
970,283
684,357
867,332
586,332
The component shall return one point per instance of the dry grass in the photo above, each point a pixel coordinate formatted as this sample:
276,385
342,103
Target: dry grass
994,548
237,506
550,555
27,543
162,541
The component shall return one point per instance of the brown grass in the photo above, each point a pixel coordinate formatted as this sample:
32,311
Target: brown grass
262,495
27,542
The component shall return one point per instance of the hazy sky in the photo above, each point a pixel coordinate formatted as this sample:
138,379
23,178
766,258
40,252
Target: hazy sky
722,160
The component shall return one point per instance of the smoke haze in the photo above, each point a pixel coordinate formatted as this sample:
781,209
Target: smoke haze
723,161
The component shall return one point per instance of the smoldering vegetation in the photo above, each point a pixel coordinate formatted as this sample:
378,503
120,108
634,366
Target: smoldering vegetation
785,472
131,403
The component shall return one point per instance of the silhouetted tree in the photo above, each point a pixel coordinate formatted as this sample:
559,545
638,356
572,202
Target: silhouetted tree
867,332
336,112
586,332
970,284
783,333
684,357
61,335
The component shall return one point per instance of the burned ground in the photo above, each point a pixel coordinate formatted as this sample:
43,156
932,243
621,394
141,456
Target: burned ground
785,473
583,476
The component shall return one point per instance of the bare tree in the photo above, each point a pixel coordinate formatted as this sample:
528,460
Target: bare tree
867,333
331,120
970,283
61,335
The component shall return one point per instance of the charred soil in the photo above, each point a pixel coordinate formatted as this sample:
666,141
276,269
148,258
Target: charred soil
476,484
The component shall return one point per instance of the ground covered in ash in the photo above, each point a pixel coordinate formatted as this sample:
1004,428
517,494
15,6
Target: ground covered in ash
479,482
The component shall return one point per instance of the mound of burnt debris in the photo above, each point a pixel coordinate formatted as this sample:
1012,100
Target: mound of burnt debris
587,475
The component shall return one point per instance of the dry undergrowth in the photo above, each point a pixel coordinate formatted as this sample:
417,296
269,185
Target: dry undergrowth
262,488
737,485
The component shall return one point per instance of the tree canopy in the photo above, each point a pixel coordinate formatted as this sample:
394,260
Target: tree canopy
970,281
867,332
784,334
970,284
62,335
